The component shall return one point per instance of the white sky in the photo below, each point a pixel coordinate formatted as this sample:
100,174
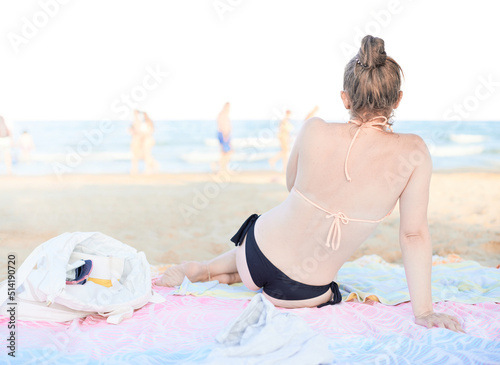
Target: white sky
263,55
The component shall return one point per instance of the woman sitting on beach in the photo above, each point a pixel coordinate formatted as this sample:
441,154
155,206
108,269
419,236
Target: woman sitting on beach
343,179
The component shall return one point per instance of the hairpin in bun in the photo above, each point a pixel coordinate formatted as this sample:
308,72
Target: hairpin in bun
359,62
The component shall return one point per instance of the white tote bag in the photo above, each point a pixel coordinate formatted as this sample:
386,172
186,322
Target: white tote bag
123,274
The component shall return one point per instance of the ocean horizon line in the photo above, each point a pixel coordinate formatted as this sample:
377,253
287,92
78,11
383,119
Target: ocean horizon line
192,146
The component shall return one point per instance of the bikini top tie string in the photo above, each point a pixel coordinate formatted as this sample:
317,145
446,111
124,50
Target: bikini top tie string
368,124
334,233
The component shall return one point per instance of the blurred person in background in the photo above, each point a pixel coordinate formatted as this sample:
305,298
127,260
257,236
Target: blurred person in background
312,113
142,143
26,145
284,139
5,145
224,136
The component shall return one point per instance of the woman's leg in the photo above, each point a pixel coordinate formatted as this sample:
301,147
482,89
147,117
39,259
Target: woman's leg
273,160
149,162
134,169
222,268
135,165
224,160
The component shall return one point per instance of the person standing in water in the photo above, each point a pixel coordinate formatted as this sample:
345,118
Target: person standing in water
26,146
6,145
312,113
224,136
142,143
284,139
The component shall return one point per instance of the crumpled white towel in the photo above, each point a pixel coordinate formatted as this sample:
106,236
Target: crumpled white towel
264,335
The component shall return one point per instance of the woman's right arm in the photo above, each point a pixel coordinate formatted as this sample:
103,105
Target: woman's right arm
293,160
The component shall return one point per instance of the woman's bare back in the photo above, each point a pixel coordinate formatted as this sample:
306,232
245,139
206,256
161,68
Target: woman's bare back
293,235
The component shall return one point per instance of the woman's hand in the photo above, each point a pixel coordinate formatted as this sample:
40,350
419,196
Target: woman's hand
441,320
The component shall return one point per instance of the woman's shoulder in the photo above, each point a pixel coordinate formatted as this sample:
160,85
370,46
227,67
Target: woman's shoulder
314,121
413,146
319,123
410,139
317,127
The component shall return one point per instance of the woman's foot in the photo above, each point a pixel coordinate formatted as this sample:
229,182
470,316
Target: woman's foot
194,270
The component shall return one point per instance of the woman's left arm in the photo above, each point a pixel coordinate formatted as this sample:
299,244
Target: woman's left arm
416,245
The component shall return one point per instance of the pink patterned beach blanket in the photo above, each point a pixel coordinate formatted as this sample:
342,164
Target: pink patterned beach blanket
182,330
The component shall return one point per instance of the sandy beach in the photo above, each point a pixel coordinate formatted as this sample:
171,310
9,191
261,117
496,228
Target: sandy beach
192,216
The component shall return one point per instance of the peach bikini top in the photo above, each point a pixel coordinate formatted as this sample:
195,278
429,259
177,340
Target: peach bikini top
334,233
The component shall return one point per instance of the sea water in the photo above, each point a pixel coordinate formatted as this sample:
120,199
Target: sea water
91,147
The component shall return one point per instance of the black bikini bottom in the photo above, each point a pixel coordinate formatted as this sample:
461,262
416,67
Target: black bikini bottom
271,279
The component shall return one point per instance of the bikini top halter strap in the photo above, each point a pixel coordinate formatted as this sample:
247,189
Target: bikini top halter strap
334,233
369,124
